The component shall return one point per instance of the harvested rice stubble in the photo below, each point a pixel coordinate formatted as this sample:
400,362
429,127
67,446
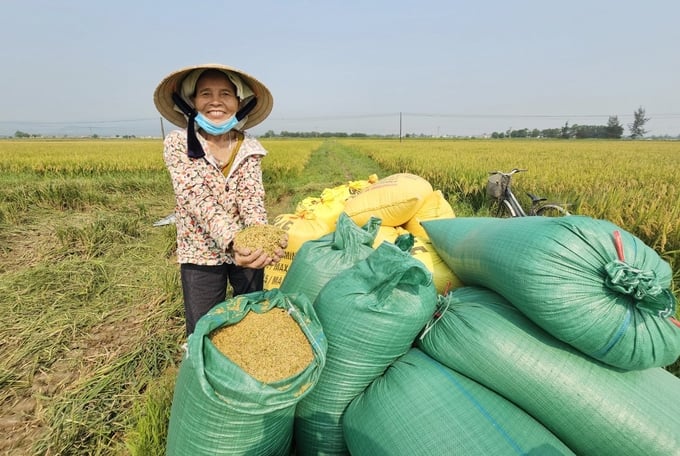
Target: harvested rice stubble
266,237
269,346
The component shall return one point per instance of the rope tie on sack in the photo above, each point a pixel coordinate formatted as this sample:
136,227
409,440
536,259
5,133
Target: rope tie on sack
642,286
442,308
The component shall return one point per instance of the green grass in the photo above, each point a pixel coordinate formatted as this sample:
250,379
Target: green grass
152,414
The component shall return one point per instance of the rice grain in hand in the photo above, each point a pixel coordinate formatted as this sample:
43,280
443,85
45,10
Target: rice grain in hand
266,237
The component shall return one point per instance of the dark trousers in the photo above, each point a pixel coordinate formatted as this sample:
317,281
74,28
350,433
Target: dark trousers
205,286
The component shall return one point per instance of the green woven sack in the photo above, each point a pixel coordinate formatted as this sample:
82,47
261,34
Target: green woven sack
317,261
217,408
595,409
421,407
371,313
565,275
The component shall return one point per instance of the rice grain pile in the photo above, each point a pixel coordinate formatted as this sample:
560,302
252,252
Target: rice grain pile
266,237
269,346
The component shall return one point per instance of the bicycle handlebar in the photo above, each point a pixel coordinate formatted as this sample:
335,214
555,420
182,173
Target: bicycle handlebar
513,171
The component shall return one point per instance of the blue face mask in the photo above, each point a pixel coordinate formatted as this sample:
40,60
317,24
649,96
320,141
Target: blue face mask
213,129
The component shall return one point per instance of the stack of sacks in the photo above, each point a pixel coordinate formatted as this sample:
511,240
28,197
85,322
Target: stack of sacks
402,201
594,408
314,217
423,250
388,234
435,206
300,229
567,275
371,314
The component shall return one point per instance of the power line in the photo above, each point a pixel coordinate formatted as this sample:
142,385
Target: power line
358,116
73,122
535,116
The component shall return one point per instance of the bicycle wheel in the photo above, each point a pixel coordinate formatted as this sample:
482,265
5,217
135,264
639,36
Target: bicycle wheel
552,210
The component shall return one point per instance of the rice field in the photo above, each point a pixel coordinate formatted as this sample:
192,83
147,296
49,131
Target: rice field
92,319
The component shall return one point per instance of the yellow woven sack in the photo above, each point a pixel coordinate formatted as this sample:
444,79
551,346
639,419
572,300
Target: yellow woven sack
394,200
435,206
307,205
387,233
300,230
326,210
331,202
443,277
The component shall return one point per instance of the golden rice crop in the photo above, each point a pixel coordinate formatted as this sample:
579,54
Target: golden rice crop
88,156
80,157
287,156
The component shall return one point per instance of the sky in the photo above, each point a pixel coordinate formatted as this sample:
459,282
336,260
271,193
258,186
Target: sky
432,67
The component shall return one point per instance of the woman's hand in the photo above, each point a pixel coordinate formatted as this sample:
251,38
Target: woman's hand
247,258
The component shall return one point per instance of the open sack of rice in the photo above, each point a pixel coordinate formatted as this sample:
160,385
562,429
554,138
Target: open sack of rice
250,360
565,274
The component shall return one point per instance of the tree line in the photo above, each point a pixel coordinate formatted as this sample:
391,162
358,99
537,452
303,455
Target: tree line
613,130
312,134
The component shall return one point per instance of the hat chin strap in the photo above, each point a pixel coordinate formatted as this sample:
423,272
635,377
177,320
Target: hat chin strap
194,148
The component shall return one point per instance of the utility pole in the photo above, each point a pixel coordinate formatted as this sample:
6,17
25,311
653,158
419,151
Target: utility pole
400,126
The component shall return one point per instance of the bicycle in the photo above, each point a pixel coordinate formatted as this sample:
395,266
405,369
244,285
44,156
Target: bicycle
499,188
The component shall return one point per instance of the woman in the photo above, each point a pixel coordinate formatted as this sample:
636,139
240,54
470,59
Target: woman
217,179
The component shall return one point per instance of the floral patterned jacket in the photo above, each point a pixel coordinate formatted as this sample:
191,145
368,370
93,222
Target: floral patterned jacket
211,207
